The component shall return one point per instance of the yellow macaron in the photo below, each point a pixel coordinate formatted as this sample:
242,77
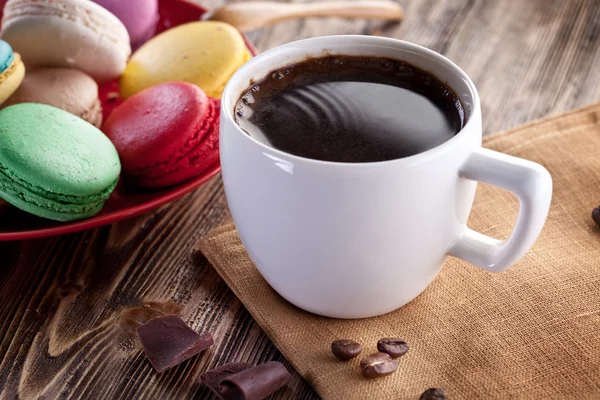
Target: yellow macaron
204,53
12,71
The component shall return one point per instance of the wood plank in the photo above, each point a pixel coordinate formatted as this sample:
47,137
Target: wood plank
69,305
74,303
528,59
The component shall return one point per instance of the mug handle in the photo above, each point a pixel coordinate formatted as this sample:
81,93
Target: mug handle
531,183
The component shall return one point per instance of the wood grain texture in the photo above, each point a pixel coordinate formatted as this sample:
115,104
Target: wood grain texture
69,305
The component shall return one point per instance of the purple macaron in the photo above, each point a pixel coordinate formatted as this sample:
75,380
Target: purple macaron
138,16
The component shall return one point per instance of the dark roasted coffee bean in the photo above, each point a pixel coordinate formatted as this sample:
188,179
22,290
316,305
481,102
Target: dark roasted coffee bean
345,349
596,216
378,365
394,347
433,394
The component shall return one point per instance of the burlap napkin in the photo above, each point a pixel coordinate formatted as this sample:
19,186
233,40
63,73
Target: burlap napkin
532,332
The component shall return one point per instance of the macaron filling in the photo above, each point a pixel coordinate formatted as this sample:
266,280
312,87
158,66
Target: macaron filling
201,145
5,74
52,201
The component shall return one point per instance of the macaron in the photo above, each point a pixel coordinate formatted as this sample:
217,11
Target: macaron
12,71
138,16
68,89
166,134
54,164
204,53
76,34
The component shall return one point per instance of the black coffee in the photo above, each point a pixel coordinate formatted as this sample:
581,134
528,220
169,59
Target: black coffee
350,109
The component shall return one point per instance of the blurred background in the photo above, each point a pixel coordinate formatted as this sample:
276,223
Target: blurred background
528,58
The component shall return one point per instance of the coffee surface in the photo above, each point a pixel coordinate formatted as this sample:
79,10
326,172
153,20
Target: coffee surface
350,109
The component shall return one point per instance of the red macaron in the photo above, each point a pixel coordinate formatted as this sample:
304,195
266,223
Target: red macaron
166,134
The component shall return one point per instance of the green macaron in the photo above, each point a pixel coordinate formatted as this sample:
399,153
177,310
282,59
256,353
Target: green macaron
54,164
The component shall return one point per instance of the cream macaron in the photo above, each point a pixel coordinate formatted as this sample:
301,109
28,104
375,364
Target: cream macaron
76,34
68,89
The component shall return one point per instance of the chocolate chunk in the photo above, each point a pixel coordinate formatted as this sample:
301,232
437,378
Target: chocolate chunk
596,215
255,383
433,394
169,341
345,349
214,377
396,348
378,365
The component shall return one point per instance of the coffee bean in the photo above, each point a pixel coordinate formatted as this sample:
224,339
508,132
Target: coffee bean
378,365
394,347
596,216
345,349
433,394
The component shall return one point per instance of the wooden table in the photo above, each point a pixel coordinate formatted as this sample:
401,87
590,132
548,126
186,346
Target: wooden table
67,303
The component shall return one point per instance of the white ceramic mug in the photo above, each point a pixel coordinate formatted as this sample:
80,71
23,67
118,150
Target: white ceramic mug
358,240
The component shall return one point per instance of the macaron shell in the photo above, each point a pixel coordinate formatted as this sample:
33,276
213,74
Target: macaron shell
11,78
203,53
68,89
67,33
6,56
165,134
56,152
194,162
44,208
156,123
94,115
138,16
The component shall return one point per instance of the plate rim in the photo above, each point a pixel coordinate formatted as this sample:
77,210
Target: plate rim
116,216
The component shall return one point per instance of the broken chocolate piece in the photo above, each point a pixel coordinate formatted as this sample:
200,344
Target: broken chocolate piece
255,383
168,341
214,377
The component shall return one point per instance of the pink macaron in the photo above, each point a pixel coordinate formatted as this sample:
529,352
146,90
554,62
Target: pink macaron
138,16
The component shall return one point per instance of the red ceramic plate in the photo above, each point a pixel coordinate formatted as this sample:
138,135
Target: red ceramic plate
125,202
